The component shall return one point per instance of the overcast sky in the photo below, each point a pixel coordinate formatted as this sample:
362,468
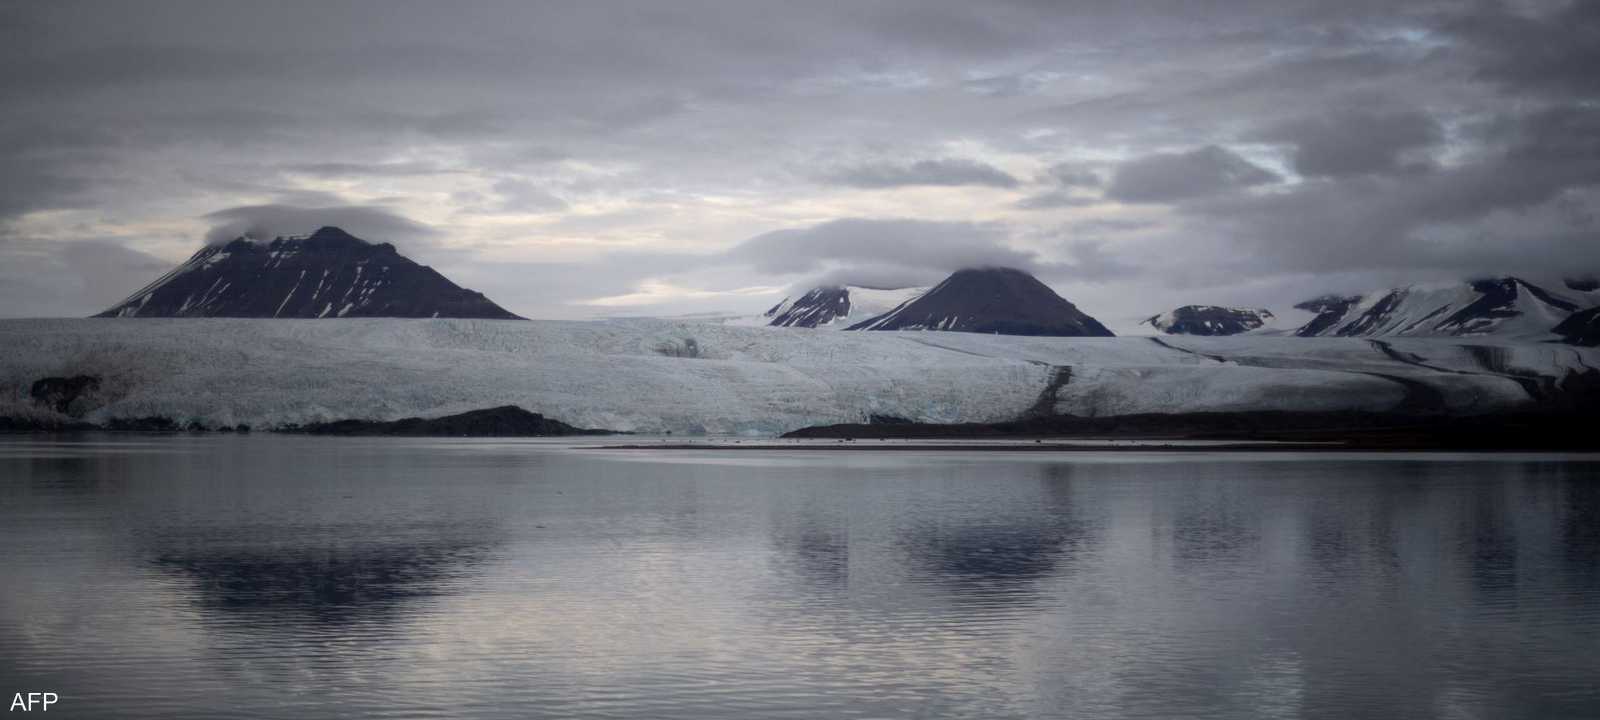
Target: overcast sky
586,159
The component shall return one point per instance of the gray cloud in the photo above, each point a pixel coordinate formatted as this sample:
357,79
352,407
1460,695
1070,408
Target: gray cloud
49,165
1168,177
947,172
1514,208
918,244
1054,199
374,224
379,169
1108,226
521,196
1357,142
44,278
1554,52
1428,138
1073,175
1007,85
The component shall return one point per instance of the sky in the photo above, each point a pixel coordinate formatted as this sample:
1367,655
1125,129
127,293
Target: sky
583,160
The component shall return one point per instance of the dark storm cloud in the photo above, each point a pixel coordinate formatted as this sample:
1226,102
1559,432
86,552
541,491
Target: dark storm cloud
946,172
264,222
48,165
1169,177
1358,142
1454,219
1555,52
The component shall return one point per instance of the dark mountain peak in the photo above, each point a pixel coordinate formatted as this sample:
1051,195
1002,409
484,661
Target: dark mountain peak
329,233
1209,320
819,306
1583,283
999,300
326,239
329,273
1581,328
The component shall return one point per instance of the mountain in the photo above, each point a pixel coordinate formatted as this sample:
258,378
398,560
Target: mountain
1209,320
1581,328
1001,301
837,306
329,273
1330,310
1506,307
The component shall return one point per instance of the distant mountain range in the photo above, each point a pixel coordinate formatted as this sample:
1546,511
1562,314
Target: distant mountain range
1209,320
1506,307
327,274
1012,302
332,274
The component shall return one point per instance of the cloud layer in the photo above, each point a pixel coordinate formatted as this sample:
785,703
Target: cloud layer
1138,155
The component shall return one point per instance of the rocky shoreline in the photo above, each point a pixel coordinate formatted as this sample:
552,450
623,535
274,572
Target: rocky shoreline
503,421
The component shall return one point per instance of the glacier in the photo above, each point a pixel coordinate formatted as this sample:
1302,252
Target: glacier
619,374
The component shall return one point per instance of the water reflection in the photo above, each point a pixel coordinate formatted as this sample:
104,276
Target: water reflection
274,577
1006,542
815,538
279,579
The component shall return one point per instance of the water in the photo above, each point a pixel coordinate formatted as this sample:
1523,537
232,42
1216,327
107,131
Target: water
261,576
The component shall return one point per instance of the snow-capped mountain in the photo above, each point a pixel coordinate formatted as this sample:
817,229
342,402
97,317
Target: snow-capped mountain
1002,301
1210,320
1506,307
329,273
838,306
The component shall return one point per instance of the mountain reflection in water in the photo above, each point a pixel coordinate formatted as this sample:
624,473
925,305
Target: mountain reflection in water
190,577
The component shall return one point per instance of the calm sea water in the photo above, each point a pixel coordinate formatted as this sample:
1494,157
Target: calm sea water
276,577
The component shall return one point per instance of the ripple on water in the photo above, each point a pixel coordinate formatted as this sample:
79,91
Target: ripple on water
281,577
